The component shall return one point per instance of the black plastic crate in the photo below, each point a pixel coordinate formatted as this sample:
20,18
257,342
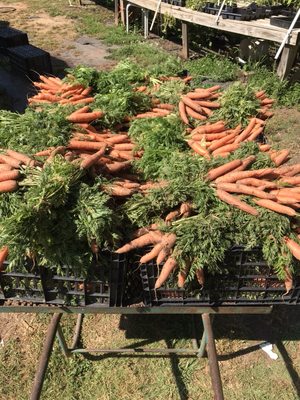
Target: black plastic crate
10,37
246,280
178,3
30,60
105,285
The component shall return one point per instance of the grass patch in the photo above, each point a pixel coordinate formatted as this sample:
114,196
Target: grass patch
149,57
214,68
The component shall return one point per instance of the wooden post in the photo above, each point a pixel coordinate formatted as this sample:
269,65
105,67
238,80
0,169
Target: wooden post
287,59
122,11
185,39
116,12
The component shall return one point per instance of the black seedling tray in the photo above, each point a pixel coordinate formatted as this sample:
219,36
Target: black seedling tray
284,22
104,286
178,3
246,280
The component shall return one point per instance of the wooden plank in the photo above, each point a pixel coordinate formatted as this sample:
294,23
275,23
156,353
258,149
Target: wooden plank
287,60
260,28
122,11
185,39
116,12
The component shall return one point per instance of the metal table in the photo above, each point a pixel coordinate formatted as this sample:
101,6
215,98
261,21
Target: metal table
207,342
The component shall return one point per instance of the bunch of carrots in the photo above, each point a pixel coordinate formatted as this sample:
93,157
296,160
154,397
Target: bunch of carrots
54,90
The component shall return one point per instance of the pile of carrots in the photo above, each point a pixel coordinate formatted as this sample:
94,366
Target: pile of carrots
111,152
54,90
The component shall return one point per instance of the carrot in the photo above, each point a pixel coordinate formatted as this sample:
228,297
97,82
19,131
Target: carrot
20,156
264,147
160,111
235,176
272,205
57,150
295,169
214,88
85,117
142,241
199,94
44,153
286,199
209,104
286,192
10,161
194,114
168,267
246,132
165,106
91,160
228,147
172,215
117,166
8,186
210,128
5,167
207,111
291,180
293,247
9,175
243,189
80,111
55,80
288,280
245,163
223,154
266,101
260,93
87,91
200,276
185,208
182,112
281,158
221,142
119,138
3,256
118,191
129,185
152,254
209,137
198,149
124,146
192,104
236,202
119,154
255,133
223,169
86,100
84,145
48,81
182,274
260,173
257,183
187,79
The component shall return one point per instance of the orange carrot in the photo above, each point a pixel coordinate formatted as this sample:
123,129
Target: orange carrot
281,158
257,183
5,167
235,176
221,142
214,88
10,161
291,180
86,100
118,191
192,104
207,111
3,256
182,274
286,200
165,106
142,241
272,205
245,163
81,145
223,154
295,169
182,112
168,267
85,117
210,128
209,137
200,276
44,153
228,147
243,189
223,169
194,114
81,110
199,94
198,149
8,186
9,175
20,156
246,132
161,112
260,93
119,154
266,101
124,146
264,147
255,133
172,215
293,247
91,160
236,202
152,254
209,104
118,138
87,91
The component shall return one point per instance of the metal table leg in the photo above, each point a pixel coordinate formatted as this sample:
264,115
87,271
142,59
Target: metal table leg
212,358
44,358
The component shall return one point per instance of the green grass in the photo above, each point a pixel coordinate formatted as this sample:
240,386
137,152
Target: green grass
250,376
